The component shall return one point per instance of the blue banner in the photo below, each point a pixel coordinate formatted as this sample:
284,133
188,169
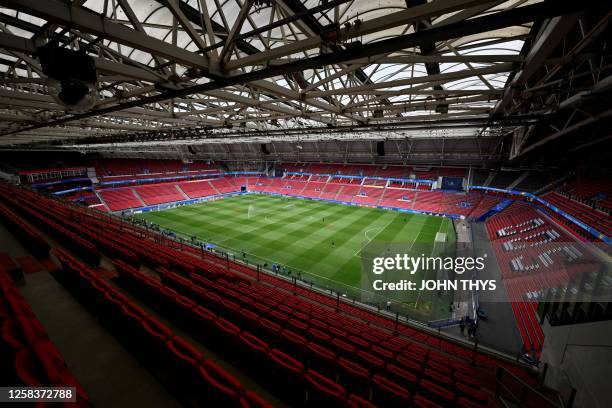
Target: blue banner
63,181
185,177
72,190
401,180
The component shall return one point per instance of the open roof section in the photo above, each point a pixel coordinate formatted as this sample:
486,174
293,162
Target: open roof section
254,66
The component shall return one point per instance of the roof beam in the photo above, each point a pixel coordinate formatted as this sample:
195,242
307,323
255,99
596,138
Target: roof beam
555,31
25,45
486,23
400,18
570,129
182,19
229,41
437,78
59,12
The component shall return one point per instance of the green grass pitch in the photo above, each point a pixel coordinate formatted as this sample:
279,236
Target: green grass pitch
321,240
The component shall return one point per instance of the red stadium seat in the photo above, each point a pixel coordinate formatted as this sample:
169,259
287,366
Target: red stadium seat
467,380
269,330
420,401
359,342
185,358
343,348
370,361
295,344
476,396
437,378
386,393
297,326
228,334
436,393
355,401
354,377
220,389
318,336
254,349
12,336
322,359
402,377
248,319
27,371
323,392
156,336
467,403
287,374
203,321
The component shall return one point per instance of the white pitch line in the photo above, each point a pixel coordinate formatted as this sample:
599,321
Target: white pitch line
416,303
375,235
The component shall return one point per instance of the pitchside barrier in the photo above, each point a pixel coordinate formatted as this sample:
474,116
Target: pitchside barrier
174,204
382,207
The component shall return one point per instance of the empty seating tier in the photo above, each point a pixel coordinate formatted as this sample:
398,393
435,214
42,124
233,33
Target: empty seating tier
317,350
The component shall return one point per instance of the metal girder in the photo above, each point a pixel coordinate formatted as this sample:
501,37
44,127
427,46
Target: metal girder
195,16
437,78
545,44
127,9
422,59
418,104
229,41
400,18
68,15
476,25
570,129
369,85
182,19
15,43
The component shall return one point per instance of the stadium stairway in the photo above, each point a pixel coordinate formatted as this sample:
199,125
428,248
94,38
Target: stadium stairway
97,193
110,365
38,317
138,197
216,191
181,192
523,226
29,357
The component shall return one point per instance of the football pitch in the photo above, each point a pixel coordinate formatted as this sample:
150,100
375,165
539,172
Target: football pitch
320,242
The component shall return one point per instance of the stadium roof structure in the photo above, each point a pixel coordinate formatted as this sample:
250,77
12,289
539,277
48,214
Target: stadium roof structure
231,71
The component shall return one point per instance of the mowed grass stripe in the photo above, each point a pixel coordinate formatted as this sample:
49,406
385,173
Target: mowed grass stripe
310,256
303,232
291,232
279,226
209,222
392,232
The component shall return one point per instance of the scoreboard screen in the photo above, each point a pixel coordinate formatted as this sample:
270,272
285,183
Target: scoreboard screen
452,183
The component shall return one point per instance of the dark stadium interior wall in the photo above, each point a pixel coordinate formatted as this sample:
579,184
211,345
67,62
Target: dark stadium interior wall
564,156
34,159
422,151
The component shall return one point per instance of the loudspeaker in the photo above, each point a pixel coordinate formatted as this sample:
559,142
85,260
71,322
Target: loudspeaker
380,148
191,149
264,149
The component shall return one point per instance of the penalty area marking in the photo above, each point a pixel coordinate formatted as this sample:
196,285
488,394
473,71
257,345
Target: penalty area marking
375,235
